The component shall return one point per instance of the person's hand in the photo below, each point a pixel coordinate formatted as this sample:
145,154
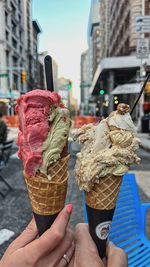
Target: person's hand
86,253
29,250
115,256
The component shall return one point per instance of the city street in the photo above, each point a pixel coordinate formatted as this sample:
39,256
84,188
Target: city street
15,209
64,65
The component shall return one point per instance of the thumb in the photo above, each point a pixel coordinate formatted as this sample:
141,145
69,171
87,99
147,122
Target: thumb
115,256
86,252
83,238
27,236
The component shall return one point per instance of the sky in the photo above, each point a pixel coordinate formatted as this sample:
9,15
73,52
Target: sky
64,34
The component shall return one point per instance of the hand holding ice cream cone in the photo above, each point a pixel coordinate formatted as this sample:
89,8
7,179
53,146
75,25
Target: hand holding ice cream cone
28,249
44,125
108,151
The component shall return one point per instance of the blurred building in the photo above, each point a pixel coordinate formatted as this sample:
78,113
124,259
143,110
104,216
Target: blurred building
119,64
104,28
90,59
94,37
20,70
31,32
122,34
73,103
28,43
40,71
38,68
12,49
123,37
85,107
62,89
84,77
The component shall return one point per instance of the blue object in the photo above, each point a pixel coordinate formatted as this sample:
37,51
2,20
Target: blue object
129,221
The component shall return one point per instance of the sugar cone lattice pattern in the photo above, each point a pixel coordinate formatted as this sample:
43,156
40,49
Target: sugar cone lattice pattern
104,194
48,197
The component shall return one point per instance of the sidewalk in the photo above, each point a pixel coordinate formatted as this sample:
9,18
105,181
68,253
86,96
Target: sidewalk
12,134
145,141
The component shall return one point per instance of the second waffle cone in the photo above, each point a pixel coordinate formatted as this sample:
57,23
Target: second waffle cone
48,197
103,196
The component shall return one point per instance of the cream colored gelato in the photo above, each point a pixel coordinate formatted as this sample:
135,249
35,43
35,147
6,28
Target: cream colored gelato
108,148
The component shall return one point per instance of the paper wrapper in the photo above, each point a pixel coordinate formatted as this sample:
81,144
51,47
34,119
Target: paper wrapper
100,205
48,197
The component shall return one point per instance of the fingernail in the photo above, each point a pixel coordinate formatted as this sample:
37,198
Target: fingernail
69,208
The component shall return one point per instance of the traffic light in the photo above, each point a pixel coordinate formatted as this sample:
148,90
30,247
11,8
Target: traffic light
69,85
23,76
147,87
101,92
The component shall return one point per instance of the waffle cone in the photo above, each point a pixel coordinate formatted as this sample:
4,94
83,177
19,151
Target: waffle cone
48,197
104,195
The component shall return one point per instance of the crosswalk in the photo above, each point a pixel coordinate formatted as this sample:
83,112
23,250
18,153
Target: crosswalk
5,235
14,156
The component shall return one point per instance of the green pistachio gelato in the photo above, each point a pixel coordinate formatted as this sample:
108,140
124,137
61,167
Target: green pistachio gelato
57,137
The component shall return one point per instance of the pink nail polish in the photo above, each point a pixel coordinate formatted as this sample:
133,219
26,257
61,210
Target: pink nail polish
69,208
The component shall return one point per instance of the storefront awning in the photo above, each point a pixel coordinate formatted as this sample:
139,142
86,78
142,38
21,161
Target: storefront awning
130,88
113,64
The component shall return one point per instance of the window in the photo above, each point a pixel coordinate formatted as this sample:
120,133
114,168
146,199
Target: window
126,48
20,35
13,9
14,43
15,82
7,35
20,49
19,16
19,4
29,44
6,18
7,57
14,27
14,60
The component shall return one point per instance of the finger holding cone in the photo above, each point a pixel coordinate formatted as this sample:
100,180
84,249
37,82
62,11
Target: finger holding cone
108,150
100,206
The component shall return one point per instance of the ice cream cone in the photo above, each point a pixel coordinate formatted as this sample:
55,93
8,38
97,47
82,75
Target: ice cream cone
44,124
107,152
103,195
48,196
100,204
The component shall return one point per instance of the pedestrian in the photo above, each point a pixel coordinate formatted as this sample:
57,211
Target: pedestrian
59,246
3,130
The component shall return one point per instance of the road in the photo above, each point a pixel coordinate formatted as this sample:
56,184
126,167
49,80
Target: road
142,173
15,209
145,161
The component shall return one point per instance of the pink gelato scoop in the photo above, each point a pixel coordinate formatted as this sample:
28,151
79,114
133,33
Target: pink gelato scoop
33,109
